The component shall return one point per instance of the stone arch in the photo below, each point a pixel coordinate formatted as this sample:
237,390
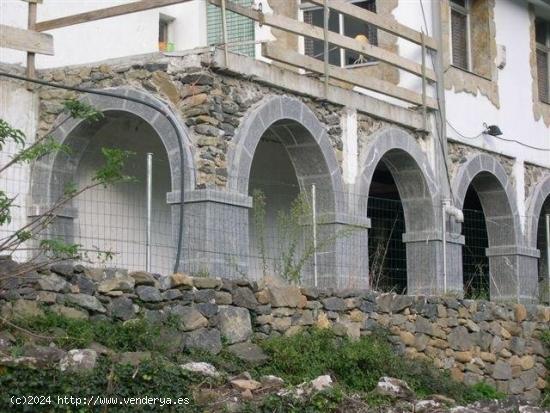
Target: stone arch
42,178
305,140
539,194
50,174
496,194
412,173
418,191
507,252
308,147
538,205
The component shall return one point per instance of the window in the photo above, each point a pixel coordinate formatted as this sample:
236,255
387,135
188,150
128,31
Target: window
240,29
542,38
164,33
345,25
460,34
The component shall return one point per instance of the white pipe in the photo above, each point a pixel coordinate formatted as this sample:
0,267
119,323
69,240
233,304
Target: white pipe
548,257
314,224
149,195
444,205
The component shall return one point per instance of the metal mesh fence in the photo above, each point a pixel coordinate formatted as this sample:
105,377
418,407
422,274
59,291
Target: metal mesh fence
273,235
475,263
387,255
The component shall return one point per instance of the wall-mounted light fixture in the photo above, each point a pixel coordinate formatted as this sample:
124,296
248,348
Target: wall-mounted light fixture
492,130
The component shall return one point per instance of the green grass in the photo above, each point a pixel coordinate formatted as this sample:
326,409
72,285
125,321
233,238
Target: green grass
155,378
358,365
68,333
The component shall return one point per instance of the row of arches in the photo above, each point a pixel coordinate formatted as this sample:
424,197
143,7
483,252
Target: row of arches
281,149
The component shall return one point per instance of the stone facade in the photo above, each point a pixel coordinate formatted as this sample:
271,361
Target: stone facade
212,105
221,117
474,340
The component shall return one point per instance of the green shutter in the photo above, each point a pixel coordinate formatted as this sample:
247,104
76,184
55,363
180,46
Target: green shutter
239,28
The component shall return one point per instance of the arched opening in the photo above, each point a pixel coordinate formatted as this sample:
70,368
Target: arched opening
387,251
273,184
543,235
114,218
475,262
285,165
490,262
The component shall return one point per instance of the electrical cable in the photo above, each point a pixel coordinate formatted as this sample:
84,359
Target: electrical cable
477,136
158,108
499,137
439,115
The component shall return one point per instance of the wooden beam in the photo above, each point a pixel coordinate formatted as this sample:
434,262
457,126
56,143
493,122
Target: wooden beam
303,29
26,40
31,66
104,13
348,75
379,21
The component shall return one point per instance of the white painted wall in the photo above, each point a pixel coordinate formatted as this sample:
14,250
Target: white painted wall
467,113
120,36
19,108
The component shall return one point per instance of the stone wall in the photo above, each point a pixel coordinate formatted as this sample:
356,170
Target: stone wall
210,103
475,340
459,152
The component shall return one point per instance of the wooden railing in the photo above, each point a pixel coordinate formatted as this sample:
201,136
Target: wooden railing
35,42
348,75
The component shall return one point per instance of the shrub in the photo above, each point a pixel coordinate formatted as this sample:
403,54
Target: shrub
155,378
358,365
134,335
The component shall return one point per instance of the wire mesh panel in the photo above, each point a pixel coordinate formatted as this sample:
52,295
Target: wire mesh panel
387,252
240,29
474,260
542,246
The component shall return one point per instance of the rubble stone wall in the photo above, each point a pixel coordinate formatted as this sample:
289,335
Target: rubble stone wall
475,340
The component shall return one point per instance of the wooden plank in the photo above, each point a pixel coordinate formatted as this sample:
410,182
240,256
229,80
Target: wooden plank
346,75
303,29
31,66
265,73
378,20
26,40
104,13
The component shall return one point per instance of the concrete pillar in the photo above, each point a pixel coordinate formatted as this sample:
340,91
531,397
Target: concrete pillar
425,274
513,273
343,253
215,232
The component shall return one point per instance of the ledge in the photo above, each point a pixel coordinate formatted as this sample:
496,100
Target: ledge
512,250
210,195
426,236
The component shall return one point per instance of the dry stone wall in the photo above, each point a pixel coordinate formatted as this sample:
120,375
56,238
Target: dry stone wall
475,340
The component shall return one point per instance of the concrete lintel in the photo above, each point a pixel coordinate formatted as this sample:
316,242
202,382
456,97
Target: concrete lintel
512,250
210,195
266,73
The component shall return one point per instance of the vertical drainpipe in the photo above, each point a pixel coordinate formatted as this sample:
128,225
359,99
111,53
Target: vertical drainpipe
442,166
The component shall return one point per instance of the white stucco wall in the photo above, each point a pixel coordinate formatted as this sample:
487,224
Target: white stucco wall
19,108
120,36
